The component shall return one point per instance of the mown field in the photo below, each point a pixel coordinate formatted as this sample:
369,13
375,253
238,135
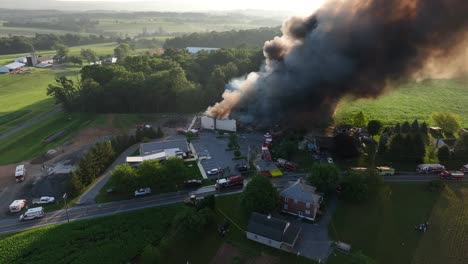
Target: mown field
23,96
383,227
29,143
412,100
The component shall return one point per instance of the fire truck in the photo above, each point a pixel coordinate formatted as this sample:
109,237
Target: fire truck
430,168
451,175
234,181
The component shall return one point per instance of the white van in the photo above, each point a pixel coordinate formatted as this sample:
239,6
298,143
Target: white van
17,205
20,173
32,213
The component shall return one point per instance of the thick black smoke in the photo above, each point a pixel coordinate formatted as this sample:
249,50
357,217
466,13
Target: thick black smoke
347,48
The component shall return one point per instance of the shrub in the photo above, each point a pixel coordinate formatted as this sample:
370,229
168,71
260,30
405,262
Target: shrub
436,185
237,153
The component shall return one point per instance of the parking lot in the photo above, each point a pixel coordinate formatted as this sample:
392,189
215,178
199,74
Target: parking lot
211,148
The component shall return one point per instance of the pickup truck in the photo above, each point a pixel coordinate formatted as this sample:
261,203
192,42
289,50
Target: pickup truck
43,200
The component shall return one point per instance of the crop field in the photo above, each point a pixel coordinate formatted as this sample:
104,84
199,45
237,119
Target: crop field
29,32
111,239
383,227
412,100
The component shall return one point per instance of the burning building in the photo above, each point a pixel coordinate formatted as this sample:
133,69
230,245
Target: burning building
349,48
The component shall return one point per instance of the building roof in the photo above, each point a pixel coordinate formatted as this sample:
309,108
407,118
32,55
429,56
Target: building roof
301,192
14,65
265,226
272,228
198,49
4,69
156,147
266,165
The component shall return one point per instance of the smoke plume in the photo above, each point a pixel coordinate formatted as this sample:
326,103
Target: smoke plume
351,48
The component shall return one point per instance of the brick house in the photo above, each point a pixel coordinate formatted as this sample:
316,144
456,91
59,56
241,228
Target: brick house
301,200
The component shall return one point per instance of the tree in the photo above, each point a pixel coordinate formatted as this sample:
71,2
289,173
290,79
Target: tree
460,151
345,146
382,149
406,127
415,127
324,176
423,128
259,196
443,154
124,178
355,188
449,122
64,92
61,50
374,127
122,51
75,60
397,128
359,120
89,54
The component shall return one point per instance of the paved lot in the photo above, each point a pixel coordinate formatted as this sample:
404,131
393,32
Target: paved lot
314,242
213,148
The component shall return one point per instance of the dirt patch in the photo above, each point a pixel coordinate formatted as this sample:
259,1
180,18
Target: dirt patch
226,254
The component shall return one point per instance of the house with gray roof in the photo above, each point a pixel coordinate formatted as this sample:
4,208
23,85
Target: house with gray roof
301,200
272,231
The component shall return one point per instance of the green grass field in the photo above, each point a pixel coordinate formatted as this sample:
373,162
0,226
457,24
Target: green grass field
111,239
23,96
412,100
28,143
383,227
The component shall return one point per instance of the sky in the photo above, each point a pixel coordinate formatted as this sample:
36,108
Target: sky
300,7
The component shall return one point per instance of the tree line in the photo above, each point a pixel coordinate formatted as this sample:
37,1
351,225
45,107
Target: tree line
175,81
228,39
68,23
21,44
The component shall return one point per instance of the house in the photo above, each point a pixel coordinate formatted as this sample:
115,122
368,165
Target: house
195,50
272,232
268,168
449,142
301,200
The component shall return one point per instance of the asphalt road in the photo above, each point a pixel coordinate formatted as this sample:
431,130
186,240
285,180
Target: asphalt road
30,123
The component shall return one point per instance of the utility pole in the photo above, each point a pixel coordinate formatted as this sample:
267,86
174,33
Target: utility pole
66,206
248,157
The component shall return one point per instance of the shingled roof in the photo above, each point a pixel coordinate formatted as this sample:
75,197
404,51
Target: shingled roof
301,192
272,228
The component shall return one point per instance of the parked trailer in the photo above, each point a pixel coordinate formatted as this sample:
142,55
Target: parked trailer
17,205
452,175
430,168
20,173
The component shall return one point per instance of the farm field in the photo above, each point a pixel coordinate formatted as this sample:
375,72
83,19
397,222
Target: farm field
412,100
29,32
101,49
111,239
23,96
383,227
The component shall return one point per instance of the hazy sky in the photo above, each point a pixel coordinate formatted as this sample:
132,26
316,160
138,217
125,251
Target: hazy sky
296,6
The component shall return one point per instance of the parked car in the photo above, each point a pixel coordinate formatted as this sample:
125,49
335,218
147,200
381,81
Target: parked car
43,200
192,183
242,168
32,213
329,160
214,171
142,192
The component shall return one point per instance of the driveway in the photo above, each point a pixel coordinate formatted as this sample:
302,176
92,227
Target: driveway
314,242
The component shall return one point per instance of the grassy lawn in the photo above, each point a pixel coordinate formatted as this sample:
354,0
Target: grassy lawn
104,197
28,143
204,250
111,239
412,100
23,96
383,227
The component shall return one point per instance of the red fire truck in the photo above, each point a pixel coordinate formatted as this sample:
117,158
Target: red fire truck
451,175
234,181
